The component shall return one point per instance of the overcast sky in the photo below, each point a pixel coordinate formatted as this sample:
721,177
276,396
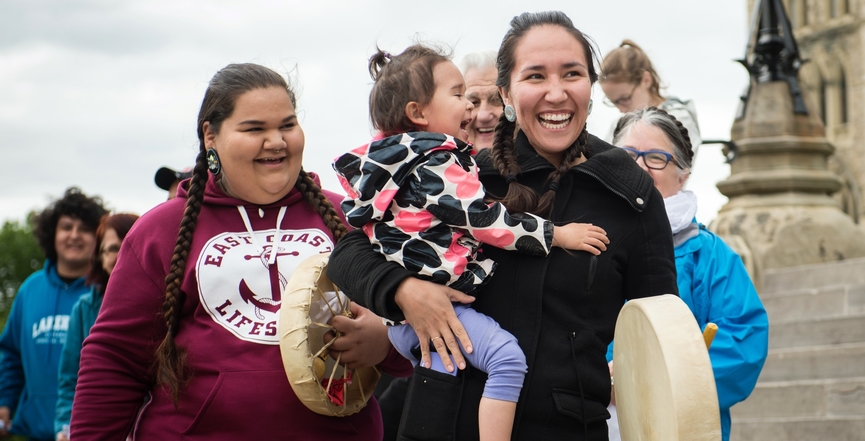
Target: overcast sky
99,94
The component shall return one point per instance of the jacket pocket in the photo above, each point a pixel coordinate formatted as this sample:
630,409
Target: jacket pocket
591,373
570,404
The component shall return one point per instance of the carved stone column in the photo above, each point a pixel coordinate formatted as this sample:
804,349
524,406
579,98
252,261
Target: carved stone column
780,212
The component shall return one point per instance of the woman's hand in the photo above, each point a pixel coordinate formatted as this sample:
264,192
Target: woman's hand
363,342
427,308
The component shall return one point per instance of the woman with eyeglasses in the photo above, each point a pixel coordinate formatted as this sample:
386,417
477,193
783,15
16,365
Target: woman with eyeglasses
630,82
109,235
712,280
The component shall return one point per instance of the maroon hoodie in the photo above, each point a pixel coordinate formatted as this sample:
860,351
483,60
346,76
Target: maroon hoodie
238,389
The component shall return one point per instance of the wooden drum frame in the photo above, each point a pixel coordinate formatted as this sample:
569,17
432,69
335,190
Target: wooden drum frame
665,387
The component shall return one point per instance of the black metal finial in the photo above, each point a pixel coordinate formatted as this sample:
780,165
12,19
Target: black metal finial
772,53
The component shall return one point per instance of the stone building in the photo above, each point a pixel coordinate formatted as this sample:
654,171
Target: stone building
830,34
807,257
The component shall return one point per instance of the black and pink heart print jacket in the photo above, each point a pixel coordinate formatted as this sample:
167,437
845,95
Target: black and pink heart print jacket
418,198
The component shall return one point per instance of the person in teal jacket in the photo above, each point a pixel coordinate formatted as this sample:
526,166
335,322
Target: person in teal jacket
711,277
109,236
37,325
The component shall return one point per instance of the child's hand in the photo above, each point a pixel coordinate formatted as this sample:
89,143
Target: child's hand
363,341
582,237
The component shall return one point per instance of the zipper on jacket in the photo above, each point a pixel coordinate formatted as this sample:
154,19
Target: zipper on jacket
593,266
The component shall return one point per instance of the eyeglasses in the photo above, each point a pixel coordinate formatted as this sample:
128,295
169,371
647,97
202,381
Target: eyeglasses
111,249
654,159
623,101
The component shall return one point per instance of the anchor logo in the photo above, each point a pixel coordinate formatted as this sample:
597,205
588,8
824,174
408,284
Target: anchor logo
277,283
242,277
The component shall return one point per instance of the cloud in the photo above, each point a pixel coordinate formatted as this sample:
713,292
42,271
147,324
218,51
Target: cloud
100,94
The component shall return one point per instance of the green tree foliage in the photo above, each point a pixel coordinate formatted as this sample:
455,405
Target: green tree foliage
20,256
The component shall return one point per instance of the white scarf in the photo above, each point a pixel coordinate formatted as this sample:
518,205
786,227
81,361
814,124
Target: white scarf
681,209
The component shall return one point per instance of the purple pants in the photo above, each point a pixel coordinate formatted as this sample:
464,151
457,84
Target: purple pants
496,352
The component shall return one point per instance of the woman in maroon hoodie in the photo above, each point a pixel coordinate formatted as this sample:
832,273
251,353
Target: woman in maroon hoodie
189,316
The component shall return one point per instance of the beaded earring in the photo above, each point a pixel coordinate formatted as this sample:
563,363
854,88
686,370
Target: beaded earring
213,164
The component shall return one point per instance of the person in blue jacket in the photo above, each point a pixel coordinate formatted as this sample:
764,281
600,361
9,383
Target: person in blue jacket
36,328
109,236
711,278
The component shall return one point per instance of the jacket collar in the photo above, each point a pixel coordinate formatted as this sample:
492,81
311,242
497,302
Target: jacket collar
610,166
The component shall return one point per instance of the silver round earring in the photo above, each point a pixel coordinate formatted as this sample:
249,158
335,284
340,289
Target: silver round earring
590,105
510,113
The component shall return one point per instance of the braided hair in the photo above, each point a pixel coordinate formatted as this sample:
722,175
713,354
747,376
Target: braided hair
519,197
675,131
219,100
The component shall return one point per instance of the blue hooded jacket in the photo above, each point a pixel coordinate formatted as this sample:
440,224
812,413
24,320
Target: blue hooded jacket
80,321
31,345
715,285
713,282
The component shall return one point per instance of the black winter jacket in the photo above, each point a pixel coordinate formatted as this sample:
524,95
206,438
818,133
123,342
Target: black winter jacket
562,308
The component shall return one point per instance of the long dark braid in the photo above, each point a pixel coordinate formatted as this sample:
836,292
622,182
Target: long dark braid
316,198
519,198
218,104
170,357
545,204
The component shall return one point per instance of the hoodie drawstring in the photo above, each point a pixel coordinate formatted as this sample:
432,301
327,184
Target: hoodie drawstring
276,239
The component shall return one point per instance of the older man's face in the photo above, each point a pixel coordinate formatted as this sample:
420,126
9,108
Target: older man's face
482,92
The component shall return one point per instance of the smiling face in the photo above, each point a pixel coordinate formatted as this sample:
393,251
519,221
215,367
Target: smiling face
75,242
482,92
644,138
449,111
550,89
260,146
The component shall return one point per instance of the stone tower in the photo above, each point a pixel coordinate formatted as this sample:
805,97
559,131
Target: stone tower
830,34
780,211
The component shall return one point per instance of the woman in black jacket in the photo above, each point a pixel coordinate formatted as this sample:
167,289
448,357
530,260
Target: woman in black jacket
562,308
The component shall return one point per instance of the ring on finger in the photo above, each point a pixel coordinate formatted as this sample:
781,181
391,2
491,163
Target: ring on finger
434,338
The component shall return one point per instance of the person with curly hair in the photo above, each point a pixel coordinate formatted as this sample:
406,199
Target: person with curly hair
33,338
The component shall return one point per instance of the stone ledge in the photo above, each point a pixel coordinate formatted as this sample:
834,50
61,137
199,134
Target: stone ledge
799,429
808,304
804,399
817,332
814,363
814,276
